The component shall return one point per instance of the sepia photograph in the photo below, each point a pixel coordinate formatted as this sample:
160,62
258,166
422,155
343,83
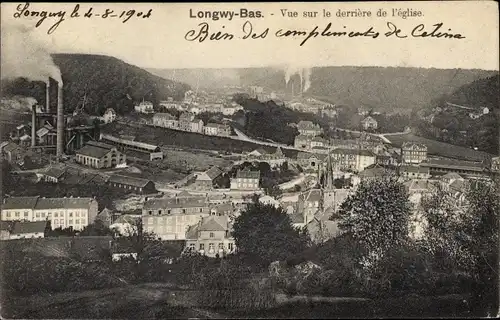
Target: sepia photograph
250,160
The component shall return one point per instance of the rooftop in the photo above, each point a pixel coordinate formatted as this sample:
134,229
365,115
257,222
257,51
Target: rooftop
55,172
453,164
130,143
248,174
127,180
171,203
29,227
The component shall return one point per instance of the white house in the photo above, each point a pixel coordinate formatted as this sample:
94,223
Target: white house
109,115
144,107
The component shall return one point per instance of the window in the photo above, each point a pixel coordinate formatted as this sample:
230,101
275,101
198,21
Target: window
202,246
230,246
25,213
159,211
211,234
17,214
70,221
168,211
37,214
77,221
221,246
55,215
210,247
191,247
71,214
201,210
183,210
77,214
150,212
8,214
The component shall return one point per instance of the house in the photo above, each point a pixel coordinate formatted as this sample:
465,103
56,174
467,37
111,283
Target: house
224,130
131,184
196,125
105,217
310,161
211,237
109,115
353,159
464,168
71,212
246,180
451,177
144,107
308,128
13,153
52,174
495,164
309,203
126,225
6,228
28,230
302,142
414,172
205,180
99,155
268,200
211,129
413,153
165,120
317,142
185,120
369,123
223,209
373,173
169,218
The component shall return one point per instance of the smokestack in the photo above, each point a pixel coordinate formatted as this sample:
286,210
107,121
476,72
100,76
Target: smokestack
47,97
60,122
33,126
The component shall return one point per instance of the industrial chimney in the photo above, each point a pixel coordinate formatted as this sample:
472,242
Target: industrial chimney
33,125
47,97
60,122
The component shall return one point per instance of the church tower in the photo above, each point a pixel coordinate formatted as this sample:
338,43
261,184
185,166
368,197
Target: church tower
327,186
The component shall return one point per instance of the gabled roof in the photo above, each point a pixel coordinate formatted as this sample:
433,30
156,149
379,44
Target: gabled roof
93,151
19,203
127,219
171,203
415,169
127,180
55,172
452,175
66,203
132,143
214,223
11,146
29,227
307,155
248,174
213,172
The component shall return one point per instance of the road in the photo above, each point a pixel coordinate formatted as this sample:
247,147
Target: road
292,183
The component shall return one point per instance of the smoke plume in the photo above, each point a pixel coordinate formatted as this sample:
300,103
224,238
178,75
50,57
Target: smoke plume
23,56
304,74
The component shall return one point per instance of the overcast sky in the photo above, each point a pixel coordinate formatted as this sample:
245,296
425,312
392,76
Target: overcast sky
158,41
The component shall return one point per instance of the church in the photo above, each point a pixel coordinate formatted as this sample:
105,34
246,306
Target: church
316,206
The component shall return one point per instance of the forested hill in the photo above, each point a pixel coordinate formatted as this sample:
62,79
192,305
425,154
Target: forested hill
482,93
382,88
455,126
106,81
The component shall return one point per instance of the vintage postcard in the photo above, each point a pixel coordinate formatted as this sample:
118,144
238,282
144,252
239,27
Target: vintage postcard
249,160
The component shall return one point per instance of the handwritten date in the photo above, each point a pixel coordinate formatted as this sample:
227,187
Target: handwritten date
24,11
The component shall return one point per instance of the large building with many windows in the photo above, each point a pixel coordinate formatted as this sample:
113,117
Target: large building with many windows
246,180
169,218
99,155
413,153
211,236
74,213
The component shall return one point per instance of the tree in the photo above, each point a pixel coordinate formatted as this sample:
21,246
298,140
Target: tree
97,228
377,216
265,233
467,236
